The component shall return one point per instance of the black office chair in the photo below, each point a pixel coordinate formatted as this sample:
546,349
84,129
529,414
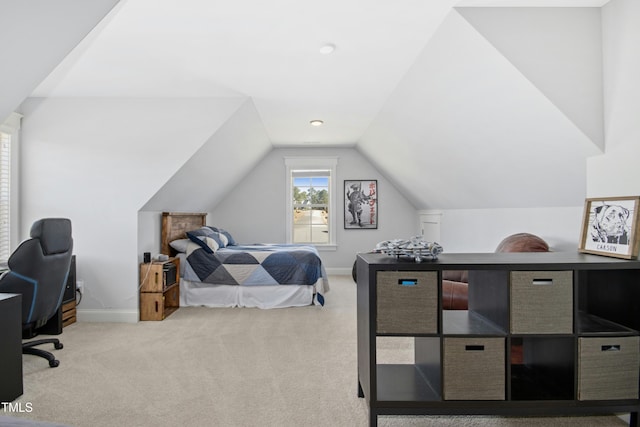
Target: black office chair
38,270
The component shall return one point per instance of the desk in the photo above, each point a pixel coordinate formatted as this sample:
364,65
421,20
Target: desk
11,349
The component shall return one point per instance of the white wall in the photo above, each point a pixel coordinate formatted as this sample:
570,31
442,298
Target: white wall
98,161
616,173
254,211
149,229
480,230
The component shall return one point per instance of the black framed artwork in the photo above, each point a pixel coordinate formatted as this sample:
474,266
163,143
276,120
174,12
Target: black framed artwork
361,204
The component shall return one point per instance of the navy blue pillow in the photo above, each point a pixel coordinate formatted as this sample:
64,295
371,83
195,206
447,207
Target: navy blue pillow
200,240
231,240
213,233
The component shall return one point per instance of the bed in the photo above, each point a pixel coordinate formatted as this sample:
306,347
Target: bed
216,271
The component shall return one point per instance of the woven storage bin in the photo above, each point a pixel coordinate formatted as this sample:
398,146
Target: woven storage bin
608,368
407,302
541,302
474,368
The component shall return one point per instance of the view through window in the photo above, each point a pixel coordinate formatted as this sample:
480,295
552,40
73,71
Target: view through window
310,206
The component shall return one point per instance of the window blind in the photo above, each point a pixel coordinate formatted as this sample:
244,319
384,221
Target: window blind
5,196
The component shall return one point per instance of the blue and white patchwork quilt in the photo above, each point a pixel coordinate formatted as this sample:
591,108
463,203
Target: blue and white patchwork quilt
258,265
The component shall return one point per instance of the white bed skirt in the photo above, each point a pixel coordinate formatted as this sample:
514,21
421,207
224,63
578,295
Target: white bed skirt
276,296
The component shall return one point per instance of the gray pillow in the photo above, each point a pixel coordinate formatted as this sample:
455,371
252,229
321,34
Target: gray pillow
180,245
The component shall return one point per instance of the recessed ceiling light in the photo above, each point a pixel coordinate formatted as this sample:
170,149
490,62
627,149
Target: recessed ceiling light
327,49
316,122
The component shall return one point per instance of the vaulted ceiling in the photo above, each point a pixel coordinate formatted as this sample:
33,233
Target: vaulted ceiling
461,104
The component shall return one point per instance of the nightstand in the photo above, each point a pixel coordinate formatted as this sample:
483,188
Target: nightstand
159,289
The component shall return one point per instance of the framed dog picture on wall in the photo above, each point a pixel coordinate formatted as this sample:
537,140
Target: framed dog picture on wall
610,227
361,204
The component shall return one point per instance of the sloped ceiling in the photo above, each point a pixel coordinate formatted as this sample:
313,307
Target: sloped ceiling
558,49
472,125
217,166
462,104
266,50
36,36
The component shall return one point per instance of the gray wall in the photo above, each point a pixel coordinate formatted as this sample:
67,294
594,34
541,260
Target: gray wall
254,211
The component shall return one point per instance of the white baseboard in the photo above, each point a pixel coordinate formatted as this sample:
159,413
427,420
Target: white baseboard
105,315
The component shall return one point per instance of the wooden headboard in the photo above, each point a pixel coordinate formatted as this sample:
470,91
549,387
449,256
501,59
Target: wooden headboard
175,226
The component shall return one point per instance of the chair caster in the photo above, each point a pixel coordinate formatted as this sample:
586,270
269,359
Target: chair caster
54,363
58,345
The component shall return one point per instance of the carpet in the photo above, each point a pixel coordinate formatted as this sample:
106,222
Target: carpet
224,367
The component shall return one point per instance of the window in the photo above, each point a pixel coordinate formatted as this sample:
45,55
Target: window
310,206
8,184
311,201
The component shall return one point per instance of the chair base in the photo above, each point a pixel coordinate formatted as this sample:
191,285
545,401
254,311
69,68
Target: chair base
28,348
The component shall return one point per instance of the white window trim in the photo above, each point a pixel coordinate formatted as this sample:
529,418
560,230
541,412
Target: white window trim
328,163
12,126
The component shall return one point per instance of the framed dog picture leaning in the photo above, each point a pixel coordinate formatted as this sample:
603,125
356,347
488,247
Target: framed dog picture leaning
361,204
610,227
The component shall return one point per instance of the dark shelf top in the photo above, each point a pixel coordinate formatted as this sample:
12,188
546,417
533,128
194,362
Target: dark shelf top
589,324
464,322
404,383
502,261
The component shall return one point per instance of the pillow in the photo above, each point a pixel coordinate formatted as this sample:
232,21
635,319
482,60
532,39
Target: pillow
180,245
205,231
230,240
202,231
208,244
211,243
222,239
522,242
191,246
